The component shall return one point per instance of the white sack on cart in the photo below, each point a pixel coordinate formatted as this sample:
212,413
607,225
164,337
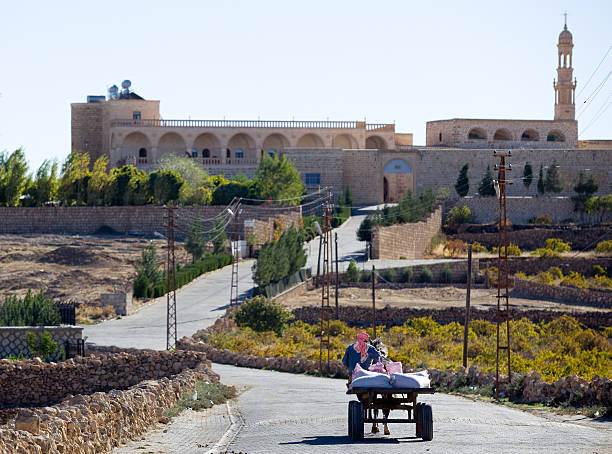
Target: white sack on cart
372,380
413,380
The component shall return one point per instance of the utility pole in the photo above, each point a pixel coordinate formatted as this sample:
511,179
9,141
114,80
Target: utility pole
374,301
503,309
336,243
170,282
235,255
467,306
325,281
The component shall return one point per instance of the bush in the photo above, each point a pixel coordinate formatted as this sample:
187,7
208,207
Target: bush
543,219
557,245
407,274
513,250
426,275
599,270
366,276
259,314
141,286
352,272
514,390
604,247
436,240
546,253
574,279
280,259
31,310
521,275
43,346
446,275
543,277
601,282
477,247
458,216
555,272
390,274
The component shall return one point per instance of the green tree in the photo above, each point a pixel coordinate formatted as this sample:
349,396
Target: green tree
278,179
97,182
195,243
127,186
364,233
462,186
147,265
527,175
600,205
218,236
264,268
352,272
261,315
31,310
164,186
44,346
584,189
553,183
348,197
486,187
225,193
187,168
13,180
43,186
541,183
72,186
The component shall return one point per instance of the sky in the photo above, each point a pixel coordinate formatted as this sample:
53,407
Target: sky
388,61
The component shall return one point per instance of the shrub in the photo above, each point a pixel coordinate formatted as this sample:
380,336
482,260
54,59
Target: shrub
259,314
602,281
543,277
555,272
402,257
446,274
366,276
604,247
521,275
352,272
546,253
557,245
426,275
574,279
515,388
458,216
436,240
477,247
280,259
407,274
513,250
141,286
543,219
31,310
43,346
491,274
390,274
599,270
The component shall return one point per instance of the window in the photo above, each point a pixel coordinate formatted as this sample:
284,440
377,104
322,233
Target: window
312,179
194,153
239,153
142,153
206,153
440,137
272,152
135,115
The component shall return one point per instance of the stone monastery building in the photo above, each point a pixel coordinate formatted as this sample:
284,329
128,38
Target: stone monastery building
378,163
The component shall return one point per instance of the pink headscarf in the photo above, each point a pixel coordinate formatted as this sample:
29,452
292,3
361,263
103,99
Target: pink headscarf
360,345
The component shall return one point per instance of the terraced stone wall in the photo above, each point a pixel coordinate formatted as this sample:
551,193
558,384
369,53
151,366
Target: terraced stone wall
12,338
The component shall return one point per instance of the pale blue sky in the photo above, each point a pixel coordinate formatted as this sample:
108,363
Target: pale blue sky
385,61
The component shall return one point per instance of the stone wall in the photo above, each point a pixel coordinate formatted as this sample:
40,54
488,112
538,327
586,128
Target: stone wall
33,382
133,220
121,302
520,210
12,338
100,421
533,265
410,241
568,295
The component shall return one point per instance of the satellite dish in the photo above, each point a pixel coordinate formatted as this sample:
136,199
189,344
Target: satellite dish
126,84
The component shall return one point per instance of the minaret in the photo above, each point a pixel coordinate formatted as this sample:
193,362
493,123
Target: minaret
565,88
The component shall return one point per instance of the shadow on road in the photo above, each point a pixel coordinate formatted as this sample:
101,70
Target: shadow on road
344,440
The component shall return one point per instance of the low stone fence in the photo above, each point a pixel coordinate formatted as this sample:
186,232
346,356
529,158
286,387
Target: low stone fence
532,389
388,316
101,421
568,295
533,265
410,240
120,301
12,338
33,382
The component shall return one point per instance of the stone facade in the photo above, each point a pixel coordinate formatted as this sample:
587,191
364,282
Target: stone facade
12,338
132,220
410,241
120,301
569,295
92,420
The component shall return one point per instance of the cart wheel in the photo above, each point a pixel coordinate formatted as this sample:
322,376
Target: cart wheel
418,416
355,420
427,419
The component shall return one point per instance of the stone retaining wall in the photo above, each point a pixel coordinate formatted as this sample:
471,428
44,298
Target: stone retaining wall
533,265
409,240
568,295
101,421
33,382
12,338
136,220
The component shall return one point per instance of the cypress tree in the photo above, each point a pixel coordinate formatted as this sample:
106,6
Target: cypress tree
553,183
527,175
486,187
541,185
462,186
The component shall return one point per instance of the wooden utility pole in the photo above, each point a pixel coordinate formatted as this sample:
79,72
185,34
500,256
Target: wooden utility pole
467,306
325,281
374,301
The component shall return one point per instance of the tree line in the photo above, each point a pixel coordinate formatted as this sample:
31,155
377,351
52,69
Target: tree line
177,180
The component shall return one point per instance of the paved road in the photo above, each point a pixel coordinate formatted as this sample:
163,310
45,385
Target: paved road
298,413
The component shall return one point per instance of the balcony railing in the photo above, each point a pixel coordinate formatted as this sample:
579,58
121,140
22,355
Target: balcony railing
253,124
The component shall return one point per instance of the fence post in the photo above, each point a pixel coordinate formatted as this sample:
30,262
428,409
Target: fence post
467,306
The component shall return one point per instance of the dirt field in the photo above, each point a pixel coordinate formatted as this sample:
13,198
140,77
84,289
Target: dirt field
69,267
427,298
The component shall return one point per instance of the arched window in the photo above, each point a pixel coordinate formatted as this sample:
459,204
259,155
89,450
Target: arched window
228,153
206,153
477,134
555,136
239,153
529,135
194,153
502,134
272,152
142,153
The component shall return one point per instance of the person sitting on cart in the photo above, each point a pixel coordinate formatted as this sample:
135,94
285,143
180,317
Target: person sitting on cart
361,352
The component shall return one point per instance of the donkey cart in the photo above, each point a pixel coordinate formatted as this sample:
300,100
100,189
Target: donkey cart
363,411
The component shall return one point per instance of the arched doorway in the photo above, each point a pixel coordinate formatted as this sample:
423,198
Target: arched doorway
397,180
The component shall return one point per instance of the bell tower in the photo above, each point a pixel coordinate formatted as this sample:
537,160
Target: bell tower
565,88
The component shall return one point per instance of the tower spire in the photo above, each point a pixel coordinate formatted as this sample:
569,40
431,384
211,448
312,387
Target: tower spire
564,86
565,25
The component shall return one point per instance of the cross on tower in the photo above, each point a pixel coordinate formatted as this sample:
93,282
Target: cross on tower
565,14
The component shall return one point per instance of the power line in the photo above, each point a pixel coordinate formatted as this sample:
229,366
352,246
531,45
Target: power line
593,73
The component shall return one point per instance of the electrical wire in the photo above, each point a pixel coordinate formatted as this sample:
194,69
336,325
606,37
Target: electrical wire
593,73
